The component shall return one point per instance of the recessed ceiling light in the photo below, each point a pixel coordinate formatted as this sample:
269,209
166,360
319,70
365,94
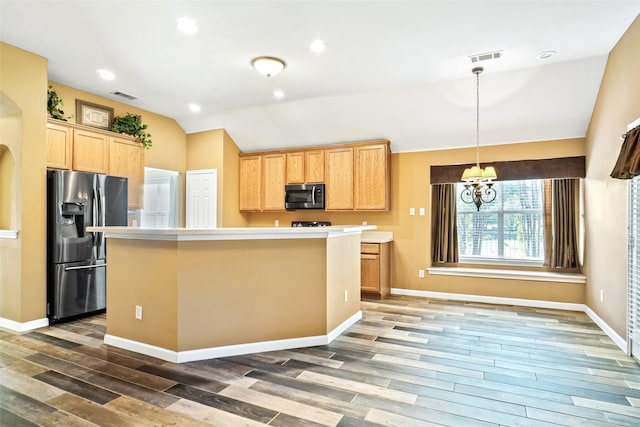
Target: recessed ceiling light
194,108
278,94
106,74
546,54
187,26
317,46
268,65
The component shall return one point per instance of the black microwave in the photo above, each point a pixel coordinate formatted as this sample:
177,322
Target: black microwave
304,196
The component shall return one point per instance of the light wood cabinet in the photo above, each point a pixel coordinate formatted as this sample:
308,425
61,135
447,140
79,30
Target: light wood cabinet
90,151
375,270
295,168
305,167
273,181
80,148
251,183
372,178
339,179
126,159
59,146
314,166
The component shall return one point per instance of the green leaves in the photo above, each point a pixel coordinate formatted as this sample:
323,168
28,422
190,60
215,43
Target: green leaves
54,102
131,124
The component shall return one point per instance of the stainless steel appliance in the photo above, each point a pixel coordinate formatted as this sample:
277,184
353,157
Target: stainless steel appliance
76,259
310,223
304,196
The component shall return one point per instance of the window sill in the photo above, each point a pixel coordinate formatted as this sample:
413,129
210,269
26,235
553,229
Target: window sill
539,276
8,234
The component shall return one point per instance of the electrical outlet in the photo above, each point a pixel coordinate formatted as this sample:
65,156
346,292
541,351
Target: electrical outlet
139,312
346,295
364,222
276,223
422,212
421,274
412,211
601,295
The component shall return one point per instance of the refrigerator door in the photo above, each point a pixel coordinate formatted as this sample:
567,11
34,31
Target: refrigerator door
79,288
111,201
70,209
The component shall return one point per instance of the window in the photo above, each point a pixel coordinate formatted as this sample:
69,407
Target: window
509,229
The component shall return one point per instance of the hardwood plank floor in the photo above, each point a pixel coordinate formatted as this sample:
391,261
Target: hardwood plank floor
408,362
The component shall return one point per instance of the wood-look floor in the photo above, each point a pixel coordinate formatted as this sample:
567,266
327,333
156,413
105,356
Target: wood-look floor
408,362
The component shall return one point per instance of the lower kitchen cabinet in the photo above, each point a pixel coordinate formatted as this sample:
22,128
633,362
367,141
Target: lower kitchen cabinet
375,270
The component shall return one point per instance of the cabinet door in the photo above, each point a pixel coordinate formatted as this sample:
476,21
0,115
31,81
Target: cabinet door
371,177
370,273
314,166
59,146
250,183
273,173
339,179
126,158
295,168
90,151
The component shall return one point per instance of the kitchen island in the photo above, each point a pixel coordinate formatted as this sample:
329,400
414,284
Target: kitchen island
191,294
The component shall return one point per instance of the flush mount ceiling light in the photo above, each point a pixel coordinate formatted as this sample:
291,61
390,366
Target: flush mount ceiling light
268,65
278,94
106,74
194,108
187,26
478,182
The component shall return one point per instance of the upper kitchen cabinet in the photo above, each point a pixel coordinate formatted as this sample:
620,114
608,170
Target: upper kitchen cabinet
126,159
295,168
305,167
372,177
339,179
262,181
59,146
314,166
90,151
273,181
251,183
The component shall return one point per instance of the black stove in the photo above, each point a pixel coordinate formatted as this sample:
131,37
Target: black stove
310,223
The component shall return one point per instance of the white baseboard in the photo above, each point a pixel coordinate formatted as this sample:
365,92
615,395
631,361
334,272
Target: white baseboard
229,350
617,339
12,325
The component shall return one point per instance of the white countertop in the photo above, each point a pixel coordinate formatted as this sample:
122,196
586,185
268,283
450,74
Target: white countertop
377,236
230,233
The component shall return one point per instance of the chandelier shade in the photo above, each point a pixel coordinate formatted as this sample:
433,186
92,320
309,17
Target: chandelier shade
478,182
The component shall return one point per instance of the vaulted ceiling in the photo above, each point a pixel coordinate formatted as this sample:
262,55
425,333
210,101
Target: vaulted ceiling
391,69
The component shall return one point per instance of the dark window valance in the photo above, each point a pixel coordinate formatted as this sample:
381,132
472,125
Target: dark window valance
562,167
628,164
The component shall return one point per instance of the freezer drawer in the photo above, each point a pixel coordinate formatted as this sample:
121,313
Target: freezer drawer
77,288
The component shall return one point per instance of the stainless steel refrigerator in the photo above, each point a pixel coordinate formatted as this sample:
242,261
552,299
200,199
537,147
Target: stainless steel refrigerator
76,259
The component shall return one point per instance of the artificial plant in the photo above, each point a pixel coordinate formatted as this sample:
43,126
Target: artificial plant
131,124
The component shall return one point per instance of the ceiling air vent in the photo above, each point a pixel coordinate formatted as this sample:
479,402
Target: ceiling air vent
485,56
125,95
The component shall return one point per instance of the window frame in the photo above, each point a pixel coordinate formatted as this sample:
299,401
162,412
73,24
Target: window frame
500,212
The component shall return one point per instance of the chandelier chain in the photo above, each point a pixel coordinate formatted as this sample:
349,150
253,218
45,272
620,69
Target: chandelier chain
478,119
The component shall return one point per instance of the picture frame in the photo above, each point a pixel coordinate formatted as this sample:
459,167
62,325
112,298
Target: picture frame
95,115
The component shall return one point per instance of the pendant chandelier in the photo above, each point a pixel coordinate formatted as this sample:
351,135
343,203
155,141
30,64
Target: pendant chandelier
478,182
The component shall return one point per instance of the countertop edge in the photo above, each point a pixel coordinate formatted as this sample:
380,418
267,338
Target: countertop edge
231,233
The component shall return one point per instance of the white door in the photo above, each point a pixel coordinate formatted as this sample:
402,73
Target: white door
202,198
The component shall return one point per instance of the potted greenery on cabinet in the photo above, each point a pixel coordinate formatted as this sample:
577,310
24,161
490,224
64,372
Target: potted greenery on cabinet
131,124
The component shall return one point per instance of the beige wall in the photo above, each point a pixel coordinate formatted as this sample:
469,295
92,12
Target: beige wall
23,81
215,149
412,234
618,104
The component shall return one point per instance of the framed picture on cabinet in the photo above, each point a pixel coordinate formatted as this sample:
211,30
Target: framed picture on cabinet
89,114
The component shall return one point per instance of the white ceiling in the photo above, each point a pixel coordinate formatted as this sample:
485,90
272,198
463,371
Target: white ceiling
392,69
